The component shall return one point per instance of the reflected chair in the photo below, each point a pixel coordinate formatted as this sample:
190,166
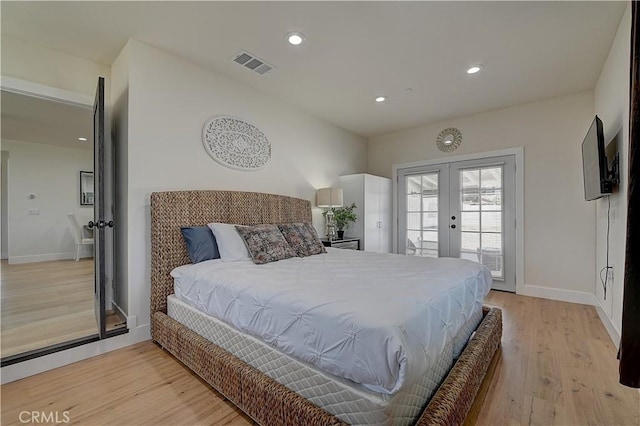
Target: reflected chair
491,258
411,248
76,230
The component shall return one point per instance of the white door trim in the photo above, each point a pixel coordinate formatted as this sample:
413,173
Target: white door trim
23,87
518,152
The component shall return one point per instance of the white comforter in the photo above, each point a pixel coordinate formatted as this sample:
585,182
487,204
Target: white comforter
377,319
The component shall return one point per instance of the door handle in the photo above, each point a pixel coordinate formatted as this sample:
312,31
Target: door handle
101,224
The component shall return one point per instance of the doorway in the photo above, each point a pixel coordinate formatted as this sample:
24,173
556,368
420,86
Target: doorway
463,209
48,280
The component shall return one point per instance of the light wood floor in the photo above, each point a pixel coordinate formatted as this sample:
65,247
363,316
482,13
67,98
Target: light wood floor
45,303
557,366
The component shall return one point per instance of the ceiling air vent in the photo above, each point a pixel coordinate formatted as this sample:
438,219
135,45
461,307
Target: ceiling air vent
252,62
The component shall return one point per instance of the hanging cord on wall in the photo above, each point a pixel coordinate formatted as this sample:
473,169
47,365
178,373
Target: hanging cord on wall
607,267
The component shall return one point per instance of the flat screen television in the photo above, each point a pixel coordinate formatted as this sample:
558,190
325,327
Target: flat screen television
597,179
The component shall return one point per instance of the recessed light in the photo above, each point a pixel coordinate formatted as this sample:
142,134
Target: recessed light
475,69
381,99
295,39
82,139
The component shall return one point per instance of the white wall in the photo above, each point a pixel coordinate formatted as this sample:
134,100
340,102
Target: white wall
52,174
169,102
558,244
612,106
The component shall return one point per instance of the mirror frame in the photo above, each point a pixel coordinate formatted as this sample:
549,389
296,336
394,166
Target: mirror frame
84,200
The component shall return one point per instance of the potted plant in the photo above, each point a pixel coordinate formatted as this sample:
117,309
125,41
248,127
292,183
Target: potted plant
344,217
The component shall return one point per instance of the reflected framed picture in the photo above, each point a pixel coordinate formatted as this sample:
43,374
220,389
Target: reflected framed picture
86,188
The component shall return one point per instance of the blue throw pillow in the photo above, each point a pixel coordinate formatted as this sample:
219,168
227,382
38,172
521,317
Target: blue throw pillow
201,243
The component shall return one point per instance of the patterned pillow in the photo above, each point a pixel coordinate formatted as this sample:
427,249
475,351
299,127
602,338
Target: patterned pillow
265,243
303,238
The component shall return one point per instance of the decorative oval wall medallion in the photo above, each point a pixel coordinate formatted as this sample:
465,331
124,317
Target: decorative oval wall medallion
235,143
449,139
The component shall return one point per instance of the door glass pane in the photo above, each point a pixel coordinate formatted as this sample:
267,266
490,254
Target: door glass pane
470,190
492,241
414,221
413,202
470,179
413,185
470,241
429,240
430,184
492,221
470,201
430,221
491,253
492,200
422,215
470,221
491,178
481,232
430,203
492,261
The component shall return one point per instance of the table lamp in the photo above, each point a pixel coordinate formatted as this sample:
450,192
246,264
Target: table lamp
329,198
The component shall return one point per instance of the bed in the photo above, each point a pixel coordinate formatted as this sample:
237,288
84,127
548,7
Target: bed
233,366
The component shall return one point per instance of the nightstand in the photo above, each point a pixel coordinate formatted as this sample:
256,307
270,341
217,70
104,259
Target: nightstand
345,243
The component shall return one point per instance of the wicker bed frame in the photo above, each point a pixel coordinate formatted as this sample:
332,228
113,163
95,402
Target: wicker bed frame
265,400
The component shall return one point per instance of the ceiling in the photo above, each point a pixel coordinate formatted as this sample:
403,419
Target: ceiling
31,119
354,51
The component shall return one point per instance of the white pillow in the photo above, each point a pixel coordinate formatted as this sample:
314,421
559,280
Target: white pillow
230,243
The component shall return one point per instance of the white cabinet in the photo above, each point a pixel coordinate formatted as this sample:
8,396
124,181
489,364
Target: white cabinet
372,195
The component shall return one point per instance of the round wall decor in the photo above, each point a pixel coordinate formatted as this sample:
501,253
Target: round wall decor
449,139
235,143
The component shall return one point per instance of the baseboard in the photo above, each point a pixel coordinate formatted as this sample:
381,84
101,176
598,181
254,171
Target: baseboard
571,296
608,325
20,370
14,260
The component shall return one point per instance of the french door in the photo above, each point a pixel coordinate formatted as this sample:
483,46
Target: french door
103,213
462,209
99,233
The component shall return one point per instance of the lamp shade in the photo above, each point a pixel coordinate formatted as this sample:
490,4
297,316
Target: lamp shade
329,197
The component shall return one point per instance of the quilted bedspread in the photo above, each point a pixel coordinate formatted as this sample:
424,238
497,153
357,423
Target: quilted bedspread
380,320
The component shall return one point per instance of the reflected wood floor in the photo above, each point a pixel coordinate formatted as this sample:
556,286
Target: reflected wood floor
44,303
558,366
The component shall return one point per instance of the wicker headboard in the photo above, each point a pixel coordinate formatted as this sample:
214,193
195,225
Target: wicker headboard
173,209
